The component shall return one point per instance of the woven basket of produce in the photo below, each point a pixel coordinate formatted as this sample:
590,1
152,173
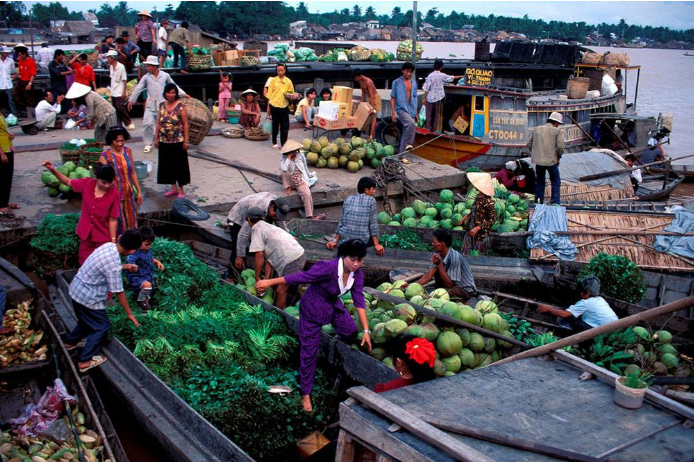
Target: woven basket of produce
92,143
250,60
55,244
404,52
199,120
199,62
294,96
233,132
70,153
48,263
256,134
89,156
105,92
129,87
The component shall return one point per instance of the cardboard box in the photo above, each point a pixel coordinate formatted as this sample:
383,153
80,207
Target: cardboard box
344,111
328,110
231,62
339,124
231,54
364,114
218,57
342,94
461,124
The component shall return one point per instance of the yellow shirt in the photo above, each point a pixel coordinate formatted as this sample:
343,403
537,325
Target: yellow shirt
302,103
277,90
5,142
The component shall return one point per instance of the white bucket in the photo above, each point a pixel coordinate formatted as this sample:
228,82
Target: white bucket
149,165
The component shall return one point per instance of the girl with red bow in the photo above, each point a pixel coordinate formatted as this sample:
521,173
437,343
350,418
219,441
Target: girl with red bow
413,358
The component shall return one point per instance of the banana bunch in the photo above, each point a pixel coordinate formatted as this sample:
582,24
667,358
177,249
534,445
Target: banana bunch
24,345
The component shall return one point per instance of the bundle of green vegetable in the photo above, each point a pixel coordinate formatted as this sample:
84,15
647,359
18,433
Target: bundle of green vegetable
221,355
70,170
352,155
56,233
511,210
620,278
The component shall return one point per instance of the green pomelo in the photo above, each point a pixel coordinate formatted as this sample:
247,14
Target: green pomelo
476,342
375,163
353,167
315,147
404,312
467,357
306,143
452,363
414,289
441,294
395,327
342,161
409,222
431,332
416,330
321,162
489,345
464,335
333,163
324,141
448,343
664,336
493,322
439,368
486,306
326,152
311,158
451,309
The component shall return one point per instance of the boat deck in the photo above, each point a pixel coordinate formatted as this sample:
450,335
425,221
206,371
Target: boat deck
532,400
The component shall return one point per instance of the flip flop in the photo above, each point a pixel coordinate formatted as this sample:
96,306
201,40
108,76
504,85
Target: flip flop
80,344
147,149
181,196
170,193
276,146
95,362
13,206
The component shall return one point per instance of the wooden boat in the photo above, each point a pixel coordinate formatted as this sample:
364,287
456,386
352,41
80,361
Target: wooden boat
512,412
25,383
179,431
500,119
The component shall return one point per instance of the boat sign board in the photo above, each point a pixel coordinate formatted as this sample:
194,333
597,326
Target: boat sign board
507,126
479,77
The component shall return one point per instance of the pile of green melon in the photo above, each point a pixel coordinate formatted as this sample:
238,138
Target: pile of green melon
511,212
70,170
458,349
247,284
352,155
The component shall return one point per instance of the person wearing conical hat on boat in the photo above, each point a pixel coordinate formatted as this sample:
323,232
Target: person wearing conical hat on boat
590,311
449,269
482,214
100,114
321,305
295,175
546,144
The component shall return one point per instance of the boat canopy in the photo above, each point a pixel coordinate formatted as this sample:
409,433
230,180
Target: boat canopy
578,164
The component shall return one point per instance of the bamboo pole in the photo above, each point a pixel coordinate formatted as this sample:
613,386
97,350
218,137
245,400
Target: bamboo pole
597,176
604,329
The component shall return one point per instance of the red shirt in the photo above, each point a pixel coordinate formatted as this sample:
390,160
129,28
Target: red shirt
393,385
504,177
27,68
96,211
84,73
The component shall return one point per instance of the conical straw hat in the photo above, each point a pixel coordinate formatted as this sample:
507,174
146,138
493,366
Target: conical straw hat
482,181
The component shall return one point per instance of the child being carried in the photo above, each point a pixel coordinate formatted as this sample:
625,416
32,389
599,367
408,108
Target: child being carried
140,266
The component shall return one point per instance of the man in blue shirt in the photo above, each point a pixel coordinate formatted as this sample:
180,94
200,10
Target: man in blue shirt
403,105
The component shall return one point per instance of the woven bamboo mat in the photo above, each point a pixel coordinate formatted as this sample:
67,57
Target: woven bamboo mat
637,248
578,192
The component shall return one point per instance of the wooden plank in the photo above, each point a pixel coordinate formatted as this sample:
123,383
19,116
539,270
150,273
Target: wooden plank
507,440
419,428
449,319
380,440
681,396
345,448
610,377
634,441
604,329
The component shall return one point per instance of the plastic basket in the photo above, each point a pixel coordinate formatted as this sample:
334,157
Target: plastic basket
233,120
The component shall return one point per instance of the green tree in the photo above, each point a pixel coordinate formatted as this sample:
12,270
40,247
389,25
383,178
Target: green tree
431,15
370,13
12,12
356,12
302,11
44,14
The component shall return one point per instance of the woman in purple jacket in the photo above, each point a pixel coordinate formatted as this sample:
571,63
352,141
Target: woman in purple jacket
321,305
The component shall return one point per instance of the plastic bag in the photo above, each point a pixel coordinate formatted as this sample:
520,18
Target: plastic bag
609,88
69,125
422,115
267,126
11,120
36,418
312,179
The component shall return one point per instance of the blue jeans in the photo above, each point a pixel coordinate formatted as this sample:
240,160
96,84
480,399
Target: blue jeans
554,178
92,324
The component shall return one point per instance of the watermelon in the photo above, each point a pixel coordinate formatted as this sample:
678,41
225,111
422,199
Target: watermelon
446,213
397,217
431,212
375,163
433,224
446,224
408,212
425,220
70,166
383,218
409,223
513,198
370,153
457,219
63,188
53,192
505,229
394,223
46,178
390,150
419,207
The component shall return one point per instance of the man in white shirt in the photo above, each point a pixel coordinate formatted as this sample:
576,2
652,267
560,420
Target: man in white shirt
118,87
162,41
6,70
47,111
274,248
591,311
45,55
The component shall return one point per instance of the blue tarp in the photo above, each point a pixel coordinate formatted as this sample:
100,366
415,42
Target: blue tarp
682,223
545,220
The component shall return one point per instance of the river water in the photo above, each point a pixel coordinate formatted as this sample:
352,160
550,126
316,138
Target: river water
666,84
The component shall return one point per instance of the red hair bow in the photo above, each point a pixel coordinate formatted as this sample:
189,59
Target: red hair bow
421,351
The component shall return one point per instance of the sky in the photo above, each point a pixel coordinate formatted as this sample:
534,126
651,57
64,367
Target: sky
676,15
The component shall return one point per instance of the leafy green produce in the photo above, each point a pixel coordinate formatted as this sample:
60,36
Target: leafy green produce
620,278
221,355
56,233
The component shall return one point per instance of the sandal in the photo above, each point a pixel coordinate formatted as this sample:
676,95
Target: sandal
95,362
181,196
13,206
170,193
276,146
147,149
